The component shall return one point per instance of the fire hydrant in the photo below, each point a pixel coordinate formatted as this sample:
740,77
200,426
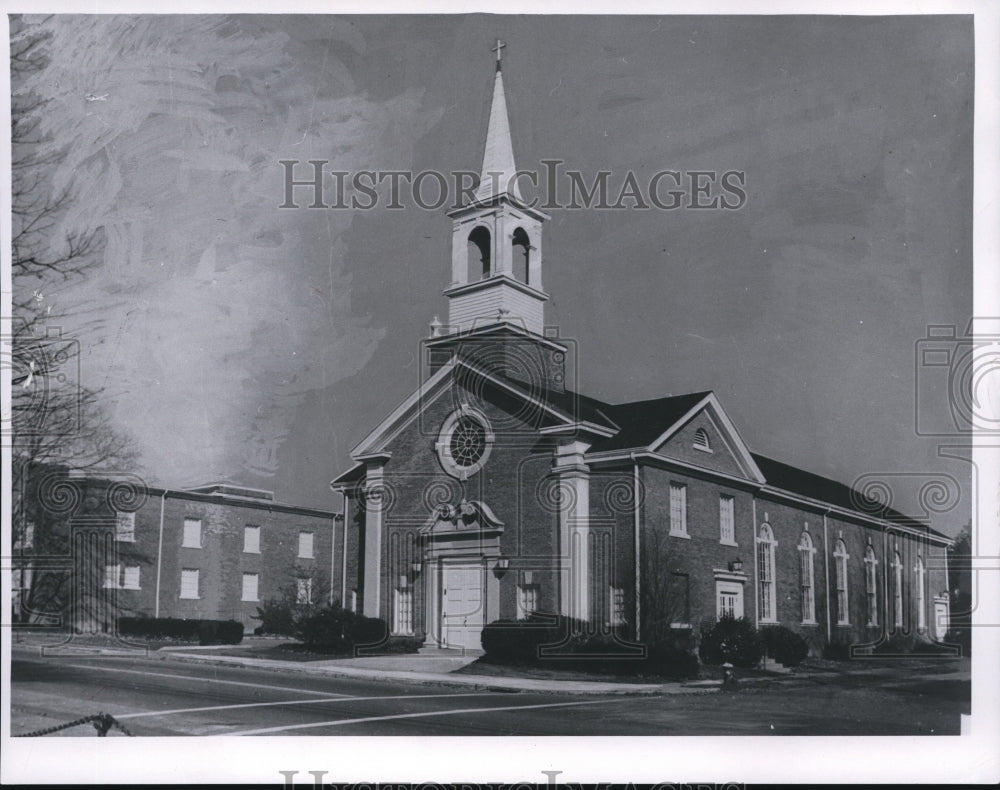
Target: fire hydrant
729,682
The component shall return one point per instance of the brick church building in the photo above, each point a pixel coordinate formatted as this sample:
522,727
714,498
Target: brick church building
495,490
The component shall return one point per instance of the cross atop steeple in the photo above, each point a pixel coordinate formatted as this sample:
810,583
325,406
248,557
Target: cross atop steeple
498,49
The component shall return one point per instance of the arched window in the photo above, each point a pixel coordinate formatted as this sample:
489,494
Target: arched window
521,251
841,557
765,574
808,597
918,569
701,440
479,254
897,591
871,582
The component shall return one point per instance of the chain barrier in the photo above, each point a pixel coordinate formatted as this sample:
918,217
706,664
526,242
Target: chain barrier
102,723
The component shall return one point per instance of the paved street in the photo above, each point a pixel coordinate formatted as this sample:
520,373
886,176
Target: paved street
167,697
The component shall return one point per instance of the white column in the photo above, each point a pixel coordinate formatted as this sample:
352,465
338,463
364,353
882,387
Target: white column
574,530
373,539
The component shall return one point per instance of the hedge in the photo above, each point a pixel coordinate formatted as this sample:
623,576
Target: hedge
557,642
205,632
732,640
333,629
784,645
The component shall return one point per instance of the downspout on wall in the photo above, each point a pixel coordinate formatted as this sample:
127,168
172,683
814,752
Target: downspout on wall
756,570
635,525
826,577
159,555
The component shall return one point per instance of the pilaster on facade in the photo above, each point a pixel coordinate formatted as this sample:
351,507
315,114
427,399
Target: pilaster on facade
574,529
375,493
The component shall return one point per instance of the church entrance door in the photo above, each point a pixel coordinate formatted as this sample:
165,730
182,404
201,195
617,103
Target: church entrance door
462,604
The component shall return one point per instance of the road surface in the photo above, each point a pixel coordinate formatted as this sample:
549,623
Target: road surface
163,697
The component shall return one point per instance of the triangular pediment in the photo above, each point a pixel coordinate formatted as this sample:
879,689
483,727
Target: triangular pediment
456,379
706,437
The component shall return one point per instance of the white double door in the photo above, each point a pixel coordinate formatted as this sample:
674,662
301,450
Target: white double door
463,604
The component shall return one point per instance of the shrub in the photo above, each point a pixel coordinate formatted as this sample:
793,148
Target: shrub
333,629
521,641
205,632
784,645
563,643
732,640
277,616
961,637
837,651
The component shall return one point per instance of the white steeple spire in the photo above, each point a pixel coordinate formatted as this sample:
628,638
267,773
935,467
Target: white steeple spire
497,175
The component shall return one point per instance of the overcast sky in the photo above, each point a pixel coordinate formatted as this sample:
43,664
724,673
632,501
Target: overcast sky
256,344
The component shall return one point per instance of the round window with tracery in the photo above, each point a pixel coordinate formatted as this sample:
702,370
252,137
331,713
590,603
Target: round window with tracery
464,443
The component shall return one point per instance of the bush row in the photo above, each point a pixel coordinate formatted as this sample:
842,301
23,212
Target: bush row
558,642
205,632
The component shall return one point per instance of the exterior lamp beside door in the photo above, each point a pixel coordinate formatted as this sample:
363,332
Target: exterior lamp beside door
502,566
736,566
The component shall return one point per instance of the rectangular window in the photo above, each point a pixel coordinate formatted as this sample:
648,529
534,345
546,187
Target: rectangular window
192,533
251,539
125,527
303,591
678,603
111,576
402,611
250,586
189,583
306,545
678,509
354,601
728,599
727,530
130,579
617,601
527,600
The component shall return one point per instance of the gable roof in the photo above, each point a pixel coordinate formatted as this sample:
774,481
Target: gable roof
643,422
807,484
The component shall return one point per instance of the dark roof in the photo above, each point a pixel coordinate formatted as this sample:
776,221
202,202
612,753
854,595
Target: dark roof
813,486
352,475
642,422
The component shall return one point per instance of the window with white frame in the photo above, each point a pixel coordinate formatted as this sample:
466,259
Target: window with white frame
527,600
130,577
354,601
840,558
871,585
806,579
765,574
303,590
402,611
617,615
727,530
251,539
897,591
192,533
125,527
189,583
919,571
678,509
306,545
250,582
728,599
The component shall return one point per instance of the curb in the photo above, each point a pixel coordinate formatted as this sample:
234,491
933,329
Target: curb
485,682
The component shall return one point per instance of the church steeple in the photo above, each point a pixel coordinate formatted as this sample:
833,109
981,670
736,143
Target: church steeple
497,174
496,240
